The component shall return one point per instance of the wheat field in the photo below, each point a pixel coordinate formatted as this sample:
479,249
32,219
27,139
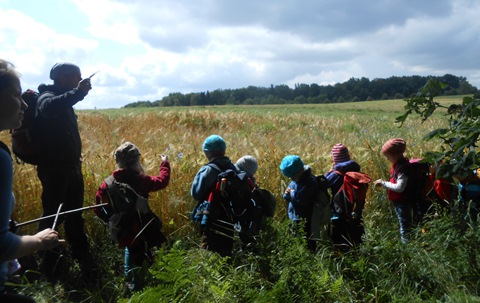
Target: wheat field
267,132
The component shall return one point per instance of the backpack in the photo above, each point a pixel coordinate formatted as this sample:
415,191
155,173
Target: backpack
443,191
420,173
232,194
24,139
321,212
126,204
349,200
420,185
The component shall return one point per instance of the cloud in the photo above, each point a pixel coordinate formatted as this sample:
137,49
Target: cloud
146,50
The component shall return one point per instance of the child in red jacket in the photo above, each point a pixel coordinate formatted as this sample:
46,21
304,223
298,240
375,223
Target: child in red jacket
143,229
398,187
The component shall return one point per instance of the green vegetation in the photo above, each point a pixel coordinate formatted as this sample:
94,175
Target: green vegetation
441,264
458,155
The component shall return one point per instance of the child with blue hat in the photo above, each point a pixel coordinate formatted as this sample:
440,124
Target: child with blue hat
306,201
205,180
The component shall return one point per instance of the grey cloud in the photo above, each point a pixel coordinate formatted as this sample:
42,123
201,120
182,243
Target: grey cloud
290,39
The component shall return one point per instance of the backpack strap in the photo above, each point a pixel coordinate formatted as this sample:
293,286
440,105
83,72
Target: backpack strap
401,166
221,168
214,166
113,190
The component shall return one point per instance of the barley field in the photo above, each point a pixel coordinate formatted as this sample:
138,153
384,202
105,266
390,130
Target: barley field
379,273
268,133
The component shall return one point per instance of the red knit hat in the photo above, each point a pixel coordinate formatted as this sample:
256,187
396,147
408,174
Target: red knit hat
340,153
394,146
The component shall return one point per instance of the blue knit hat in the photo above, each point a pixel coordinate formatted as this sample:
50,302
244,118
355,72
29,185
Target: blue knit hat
291,165
214,143
63,68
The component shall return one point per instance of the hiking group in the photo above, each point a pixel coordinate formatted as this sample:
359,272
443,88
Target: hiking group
323,208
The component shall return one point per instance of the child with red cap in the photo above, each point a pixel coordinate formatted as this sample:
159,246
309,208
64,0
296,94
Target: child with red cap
398,187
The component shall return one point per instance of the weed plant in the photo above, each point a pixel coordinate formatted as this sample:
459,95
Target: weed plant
440,264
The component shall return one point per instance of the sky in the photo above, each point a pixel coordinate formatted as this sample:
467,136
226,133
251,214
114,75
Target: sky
145,50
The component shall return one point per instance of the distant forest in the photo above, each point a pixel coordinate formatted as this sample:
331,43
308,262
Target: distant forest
353,90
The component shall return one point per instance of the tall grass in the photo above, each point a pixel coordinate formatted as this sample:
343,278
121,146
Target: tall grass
440,265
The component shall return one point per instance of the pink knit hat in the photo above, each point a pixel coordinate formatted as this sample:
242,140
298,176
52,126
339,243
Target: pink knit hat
394,146
340,153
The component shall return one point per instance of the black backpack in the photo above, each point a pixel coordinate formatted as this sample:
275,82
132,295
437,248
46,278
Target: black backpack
321,212
233,191
232,196
126,204
25,142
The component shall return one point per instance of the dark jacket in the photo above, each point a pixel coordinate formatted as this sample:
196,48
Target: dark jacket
335,176
59,136
304,193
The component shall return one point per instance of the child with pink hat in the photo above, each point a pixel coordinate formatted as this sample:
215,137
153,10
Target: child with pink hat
344,233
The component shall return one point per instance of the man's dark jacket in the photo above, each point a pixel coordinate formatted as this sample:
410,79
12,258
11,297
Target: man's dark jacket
59,136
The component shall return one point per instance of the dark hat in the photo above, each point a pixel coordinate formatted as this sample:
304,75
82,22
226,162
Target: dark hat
214,143
63,68
291,165
394,146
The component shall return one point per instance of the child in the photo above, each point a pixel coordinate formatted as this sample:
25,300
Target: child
398,187
344,233
301,195
137,237
248,164
265,201
217,232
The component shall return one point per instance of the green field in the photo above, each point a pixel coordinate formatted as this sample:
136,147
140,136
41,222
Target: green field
440,265
394,107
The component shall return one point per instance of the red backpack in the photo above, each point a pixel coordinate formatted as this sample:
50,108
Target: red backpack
350,198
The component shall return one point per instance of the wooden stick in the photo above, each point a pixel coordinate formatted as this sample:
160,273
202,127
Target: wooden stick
63,213
56,216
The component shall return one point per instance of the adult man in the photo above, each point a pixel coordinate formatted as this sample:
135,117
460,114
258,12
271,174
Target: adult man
218,234
59,168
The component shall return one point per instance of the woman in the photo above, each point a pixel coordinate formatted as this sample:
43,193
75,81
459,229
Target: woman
11,245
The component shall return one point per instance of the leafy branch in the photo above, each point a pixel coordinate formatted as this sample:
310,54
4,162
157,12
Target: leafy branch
457,155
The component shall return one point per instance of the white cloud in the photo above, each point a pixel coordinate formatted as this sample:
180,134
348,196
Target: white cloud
146,50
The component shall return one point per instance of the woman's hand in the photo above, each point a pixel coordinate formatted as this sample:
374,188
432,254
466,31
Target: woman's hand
48,239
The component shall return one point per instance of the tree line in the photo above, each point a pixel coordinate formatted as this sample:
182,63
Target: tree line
352,90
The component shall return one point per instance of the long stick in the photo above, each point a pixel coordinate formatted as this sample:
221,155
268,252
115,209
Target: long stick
56,216
141,231
63,213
